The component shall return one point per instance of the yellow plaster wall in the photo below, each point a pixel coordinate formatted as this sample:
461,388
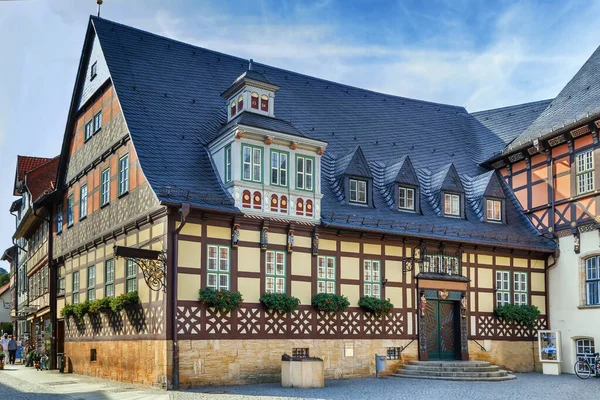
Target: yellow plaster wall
302,241
301,263
158,229
189,254
277,238
539,302
538,281
393,251
218,232
188,286
325,244
250,289
393,271
503,261
352,292
248,259
484,259
372,249
249,236
485,278
539,264
349,268
350,247
191,229
144,235
302,291
486,302
520,262
395,295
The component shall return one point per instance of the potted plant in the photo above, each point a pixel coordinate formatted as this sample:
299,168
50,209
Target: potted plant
100,306
329,302
124,301
525,315
221,300
2,355
279,302
81,309
375,306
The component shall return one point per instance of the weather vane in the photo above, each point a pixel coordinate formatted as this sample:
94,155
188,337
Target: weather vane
99,2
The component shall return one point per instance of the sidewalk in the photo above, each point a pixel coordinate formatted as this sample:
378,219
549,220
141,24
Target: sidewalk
71,386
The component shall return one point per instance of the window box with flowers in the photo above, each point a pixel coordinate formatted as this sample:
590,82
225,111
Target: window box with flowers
124,301
100,306
375,306
329,302
68,311
223,300
279,302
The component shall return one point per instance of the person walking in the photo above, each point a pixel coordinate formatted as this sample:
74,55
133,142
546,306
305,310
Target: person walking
12,350
4,342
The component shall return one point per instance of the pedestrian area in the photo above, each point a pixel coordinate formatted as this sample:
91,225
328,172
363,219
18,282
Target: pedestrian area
18,382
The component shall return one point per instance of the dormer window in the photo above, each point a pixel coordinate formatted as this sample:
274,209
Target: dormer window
264,103
494,210
94,71
233,108
358,191
254,100
452,204
406,198
240,103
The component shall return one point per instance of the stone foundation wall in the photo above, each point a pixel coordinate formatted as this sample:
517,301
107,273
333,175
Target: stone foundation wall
147,362
230,362
513,356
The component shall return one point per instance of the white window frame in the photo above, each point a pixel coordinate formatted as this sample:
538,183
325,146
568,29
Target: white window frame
275,273
502,288
326,274
91,283
97,121
59,218
493,210
75,288
218,267
281,174
88,130
109,278
360,186
585,349
254,166
452,204
520,288
83,201
372,278
227,163
123,183
303,178
105,187
406,198
70,210
584,171
131,272
592,281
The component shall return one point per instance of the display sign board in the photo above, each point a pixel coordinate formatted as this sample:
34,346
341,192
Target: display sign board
549,346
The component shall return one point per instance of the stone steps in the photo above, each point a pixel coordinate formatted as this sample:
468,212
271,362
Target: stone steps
454,371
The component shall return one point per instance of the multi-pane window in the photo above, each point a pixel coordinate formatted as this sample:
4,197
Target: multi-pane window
130,276
279,168
592,280
83,201
520,288
217,276
105,187
91,283
98,121
109,275
502,288
451,204
358,191
252,164
406,198
393,353
372,278
254,100
94,70
304,173
70,213
585,171
75,287
264,103
60,285
59,218
123,174
88,130
228,163
325,274
494,210
275,272
585,348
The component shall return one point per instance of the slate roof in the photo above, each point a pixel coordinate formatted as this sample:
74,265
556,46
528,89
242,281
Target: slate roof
249,118
577,102
170,95
498,127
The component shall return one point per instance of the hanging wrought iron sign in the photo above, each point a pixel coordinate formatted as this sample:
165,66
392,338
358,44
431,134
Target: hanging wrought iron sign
153,264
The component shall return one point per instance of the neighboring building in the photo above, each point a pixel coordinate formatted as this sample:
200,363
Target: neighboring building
255,179
5,303
10,256
551,167
34,182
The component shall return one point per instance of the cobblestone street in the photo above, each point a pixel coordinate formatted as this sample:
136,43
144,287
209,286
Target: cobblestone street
17,382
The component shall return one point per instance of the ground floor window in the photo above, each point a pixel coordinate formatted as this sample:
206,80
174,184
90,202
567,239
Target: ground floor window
584,349
217,276
592,280
502,288
275,272
393,353
326,274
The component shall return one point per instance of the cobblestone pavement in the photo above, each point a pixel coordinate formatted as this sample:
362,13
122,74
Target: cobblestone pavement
17,382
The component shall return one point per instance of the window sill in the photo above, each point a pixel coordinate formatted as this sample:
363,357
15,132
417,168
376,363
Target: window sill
594,306
58,232
105,205
69,226
407,210
351,203
97,130
82,218
123,194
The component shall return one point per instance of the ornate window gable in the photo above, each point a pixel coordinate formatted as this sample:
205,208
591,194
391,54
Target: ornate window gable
446,192
405,186
354,174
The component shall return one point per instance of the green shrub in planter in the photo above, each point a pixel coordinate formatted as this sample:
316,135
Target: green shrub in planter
375,306
221,300
67,311
280,302
525,315
100,306
124,301
81,309
330,302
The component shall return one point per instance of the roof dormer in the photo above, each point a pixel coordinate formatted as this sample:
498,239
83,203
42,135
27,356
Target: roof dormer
251,91
401,186
354,178
486,197
445,192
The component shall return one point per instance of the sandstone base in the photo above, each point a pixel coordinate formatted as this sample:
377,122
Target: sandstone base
302,374
513,356
145,362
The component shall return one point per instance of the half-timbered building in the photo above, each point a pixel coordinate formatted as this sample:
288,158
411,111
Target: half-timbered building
550,167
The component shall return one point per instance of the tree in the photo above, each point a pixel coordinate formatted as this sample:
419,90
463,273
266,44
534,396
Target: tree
4,279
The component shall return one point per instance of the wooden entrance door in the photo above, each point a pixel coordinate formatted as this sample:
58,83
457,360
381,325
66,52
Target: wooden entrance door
442,330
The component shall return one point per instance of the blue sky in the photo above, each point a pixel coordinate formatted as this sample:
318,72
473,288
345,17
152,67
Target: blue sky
479,54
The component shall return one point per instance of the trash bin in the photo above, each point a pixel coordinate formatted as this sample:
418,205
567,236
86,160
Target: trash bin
379,364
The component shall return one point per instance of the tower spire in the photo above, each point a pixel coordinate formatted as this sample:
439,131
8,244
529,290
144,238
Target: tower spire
99,2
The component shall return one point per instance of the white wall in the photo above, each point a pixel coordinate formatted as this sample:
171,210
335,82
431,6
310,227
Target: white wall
566,291
5,312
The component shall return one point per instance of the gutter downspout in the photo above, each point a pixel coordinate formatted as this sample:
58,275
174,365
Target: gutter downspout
16,263
184,211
